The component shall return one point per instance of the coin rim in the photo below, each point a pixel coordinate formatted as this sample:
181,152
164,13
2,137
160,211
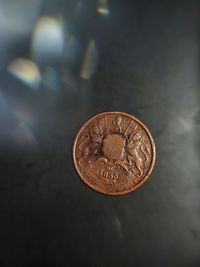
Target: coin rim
134,187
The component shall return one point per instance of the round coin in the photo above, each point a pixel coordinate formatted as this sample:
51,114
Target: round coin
114,153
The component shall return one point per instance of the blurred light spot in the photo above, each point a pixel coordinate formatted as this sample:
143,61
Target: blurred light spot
51,78
80,8
102,7
24,137
48,40
73,50
118,226
3,111
69,80
17,17
24,115
90,62
184,123
26,71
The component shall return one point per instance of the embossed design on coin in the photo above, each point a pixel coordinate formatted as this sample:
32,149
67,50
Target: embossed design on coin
114,153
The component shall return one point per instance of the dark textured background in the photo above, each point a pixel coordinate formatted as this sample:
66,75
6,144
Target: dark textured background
149,67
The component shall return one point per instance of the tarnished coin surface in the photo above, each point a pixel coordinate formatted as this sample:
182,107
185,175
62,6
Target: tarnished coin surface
114,153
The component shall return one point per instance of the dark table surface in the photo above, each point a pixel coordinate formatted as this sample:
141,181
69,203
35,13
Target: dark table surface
148,66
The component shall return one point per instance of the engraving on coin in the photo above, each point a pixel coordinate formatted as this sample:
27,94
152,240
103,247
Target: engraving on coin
114,153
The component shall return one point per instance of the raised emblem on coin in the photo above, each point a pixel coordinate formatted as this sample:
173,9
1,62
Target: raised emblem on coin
114,153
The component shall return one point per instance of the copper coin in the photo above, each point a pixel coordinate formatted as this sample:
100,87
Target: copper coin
114,153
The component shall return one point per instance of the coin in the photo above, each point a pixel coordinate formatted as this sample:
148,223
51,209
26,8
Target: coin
114,153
